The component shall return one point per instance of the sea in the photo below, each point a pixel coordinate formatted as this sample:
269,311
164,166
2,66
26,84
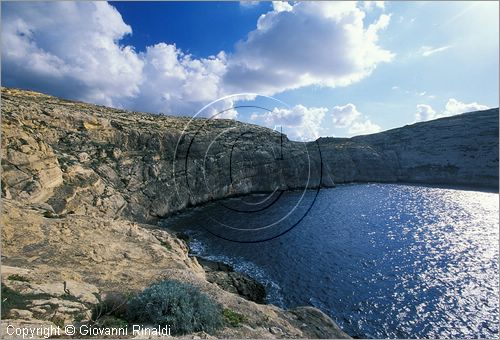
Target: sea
382,260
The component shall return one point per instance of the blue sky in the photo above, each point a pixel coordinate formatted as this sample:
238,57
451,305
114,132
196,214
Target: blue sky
342,68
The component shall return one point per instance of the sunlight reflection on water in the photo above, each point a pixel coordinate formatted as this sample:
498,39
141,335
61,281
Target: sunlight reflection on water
383,260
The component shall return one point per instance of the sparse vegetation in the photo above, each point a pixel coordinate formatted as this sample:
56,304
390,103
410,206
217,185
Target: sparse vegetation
179,305
50,214
232,318
17,277
14,300
165,244
111,311
109,321
183,236
58,320
79,317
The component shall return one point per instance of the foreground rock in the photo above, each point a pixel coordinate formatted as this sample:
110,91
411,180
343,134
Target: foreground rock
229,280
63,266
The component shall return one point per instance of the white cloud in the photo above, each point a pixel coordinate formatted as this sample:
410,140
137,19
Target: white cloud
370,5
424,112
452,107
364,127
248,3
176,83
309,43
344,116
69,49
427,51
73,50
413,92
282,6
298,122
303,123
348,116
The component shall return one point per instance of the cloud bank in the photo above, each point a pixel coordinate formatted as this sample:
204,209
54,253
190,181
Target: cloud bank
453,107
303,123
69,49
310,43
74,50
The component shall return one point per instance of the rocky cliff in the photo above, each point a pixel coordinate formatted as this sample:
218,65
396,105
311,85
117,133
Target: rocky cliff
92,160
457,150
82,186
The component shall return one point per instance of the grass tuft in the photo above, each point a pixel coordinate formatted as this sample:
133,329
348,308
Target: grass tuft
232,318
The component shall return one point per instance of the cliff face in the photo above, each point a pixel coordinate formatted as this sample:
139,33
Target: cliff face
92,160
458,150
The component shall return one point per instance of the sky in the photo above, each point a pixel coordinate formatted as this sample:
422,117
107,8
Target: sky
310,68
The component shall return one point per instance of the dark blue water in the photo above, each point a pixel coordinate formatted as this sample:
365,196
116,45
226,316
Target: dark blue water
383,260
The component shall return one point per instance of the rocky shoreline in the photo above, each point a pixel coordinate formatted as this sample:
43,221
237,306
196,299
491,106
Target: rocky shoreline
231,281
83,187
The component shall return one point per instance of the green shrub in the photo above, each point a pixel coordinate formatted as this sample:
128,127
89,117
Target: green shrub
113,306
166,245
58,321
17,277
111,322
232,318
10,299
181,306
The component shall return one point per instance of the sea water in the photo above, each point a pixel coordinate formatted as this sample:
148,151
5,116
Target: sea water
383,260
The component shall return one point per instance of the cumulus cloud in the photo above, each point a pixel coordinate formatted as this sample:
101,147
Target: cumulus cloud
364,127
298,122
455,107
175,83
69,49
309,43
282,6
344,116
349,117
74,50
424,112
452,107
370,5
303,123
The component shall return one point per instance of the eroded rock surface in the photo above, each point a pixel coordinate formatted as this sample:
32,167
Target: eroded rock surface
96,161
229,280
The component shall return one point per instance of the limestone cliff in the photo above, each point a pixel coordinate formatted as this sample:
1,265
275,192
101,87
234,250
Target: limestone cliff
92,160
457,150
